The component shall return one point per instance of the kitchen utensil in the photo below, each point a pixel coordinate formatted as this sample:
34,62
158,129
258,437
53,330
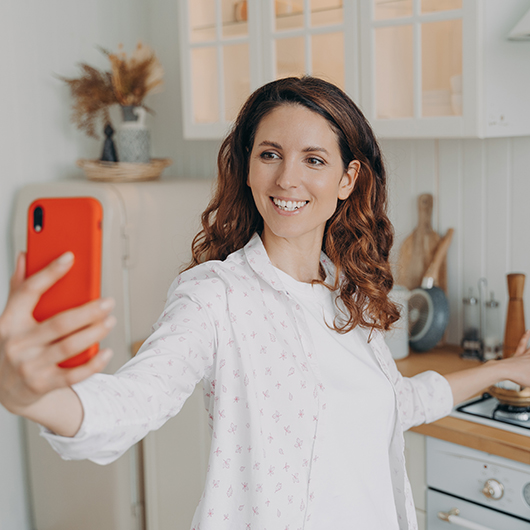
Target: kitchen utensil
428,306
417,251
515,323
515,328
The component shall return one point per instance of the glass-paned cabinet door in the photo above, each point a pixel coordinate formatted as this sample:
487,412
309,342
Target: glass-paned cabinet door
412,66
220,62
309,37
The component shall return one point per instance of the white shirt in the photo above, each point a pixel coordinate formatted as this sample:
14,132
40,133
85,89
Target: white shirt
233,325
352,483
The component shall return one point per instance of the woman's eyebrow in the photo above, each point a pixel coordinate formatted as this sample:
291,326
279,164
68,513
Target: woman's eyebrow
309,149
313,148
271,144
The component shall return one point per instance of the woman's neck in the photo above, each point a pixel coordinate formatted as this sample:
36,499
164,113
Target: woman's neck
299,259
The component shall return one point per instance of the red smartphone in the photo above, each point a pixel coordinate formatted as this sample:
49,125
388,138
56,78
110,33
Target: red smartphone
56,226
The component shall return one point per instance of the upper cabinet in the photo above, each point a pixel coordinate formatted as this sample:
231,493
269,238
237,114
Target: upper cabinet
228,48
218,63
444,68
417,68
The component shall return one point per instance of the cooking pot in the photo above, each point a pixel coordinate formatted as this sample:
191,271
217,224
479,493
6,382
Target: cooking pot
508,396
428,305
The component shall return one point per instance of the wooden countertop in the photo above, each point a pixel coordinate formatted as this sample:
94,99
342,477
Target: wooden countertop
446,359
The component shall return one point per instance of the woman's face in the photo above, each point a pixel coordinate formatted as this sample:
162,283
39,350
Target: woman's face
296,174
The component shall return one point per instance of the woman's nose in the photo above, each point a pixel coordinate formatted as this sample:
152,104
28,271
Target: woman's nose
288,176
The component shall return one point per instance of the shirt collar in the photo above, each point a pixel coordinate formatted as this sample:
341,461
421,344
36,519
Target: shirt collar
260,263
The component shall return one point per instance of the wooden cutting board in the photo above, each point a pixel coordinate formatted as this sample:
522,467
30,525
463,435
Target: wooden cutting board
418,249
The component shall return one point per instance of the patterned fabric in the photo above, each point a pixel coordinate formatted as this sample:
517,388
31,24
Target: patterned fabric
233,325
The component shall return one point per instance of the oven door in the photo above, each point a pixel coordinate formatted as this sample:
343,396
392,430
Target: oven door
470,515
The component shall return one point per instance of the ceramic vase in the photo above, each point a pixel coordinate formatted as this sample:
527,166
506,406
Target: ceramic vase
133,138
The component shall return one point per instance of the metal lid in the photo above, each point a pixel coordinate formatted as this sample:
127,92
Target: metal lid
470,300
492,302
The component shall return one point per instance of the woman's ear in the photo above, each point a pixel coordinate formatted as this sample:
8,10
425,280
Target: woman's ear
349,179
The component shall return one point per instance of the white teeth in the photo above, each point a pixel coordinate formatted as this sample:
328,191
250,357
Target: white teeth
289,206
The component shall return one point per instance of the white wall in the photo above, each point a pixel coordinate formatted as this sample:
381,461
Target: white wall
190,158
38,143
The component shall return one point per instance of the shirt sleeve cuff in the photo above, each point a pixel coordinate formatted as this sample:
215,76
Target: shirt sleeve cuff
81,445
440,402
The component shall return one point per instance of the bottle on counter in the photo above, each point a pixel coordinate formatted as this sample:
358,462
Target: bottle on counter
471,341
493,332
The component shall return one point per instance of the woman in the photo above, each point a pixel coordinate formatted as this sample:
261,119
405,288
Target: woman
280,315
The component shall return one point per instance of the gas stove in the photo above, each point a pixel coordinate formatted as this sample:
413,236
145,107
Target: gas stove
487,410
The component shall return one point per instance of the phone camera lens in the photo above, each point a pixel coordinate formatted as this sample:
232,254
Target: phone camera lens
37,219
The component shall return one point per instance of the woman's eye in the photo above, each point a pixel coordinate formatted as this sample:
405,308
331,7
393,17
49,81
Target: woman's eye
314,161
268,155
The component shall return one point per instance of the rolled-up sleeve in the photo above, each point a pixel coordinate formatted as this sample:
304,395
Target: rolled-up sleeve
424,398
120,409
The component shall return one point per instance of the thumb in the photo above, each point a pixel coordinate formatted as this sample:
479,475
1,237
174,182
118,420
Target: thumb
20,271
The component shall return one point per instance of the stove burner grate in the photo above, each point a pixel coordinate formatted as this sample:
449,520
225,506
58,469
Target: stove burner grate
513,412
502,416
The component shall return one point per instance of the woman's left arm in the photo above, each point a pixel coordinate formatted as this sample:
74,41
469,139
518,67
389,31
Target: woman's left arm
467,383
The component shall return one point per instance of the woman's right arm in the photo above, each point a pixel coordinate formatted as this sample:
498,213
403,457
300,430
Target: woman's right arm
31,383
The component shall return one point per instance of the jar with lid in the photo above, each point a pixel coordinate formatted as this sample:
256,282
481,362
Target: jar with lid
493,331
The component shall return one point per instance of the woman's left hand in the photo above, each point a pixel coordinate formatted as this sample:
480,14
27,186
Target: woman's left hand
517,366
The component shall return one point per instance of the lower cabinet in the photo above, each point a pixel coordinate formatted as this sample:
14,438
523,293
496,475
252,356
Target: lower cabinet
415,462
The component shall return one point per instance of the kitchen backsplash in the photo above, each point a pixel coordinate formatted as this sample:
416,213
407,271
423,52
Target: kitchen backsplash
481,189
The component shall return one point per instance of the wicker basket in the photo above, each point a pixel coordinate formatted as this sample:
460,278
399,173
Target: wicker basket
123,171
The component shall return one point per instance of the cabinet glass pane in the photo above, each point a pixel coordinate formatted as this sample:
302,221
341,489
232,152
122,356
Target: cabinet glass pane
326,12
328,57
204,85
394,87
236,63
202,20
289,14
430,6
234,14
290,57
384,9
441,65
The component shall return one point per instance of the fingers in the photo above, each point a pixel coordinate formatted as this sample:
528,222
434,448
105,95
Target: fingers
39,381
68,322
72,376
38,369
25,294
77,342
20,271
523,344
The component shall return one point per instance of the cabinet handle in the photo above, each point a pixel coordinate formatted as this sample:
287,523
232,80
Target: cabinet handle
452,517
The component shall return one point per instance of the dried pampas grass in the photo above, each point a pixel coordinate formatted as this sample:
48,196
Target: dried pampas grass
128,82
136,76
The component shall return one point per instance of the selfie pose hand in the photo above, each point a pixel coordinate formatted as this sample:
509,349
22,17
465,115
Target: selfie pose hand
31,383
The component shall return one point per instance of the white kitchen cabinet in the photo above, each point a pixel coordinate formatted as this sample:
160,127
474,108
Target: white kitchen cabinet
444,68
228,48
417,68
415,463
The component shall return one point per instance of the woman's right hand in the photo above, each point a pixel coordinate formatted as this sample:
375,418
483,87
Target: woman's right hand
31,383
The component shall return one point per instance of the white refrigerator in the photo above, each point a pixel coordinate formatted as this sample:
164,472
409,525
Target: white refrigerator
156,485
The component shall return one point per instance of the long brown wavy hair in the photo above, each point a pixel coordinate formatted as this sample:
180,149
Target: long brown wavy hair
358,236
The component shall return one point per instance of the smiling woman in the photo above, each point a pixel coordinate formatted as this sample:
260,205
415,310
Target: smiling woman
307,133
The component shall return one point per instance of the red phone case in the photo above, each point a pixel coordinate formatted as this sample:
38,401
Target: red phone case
68,224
